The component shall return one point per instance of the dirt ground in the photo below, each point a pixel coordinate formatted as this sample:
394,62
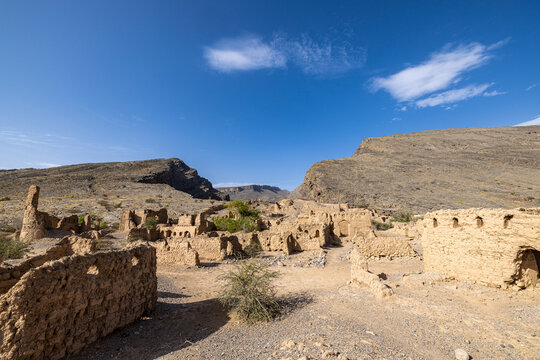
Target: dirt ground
325,317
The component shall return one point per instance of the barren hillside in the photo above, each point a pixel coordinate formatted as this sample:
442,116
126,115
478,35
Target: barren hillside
418,172
105,188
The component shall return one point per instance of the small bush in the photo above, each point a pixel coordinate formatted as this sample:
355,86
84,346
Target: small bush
381,226
103,224
150,223
248,292
243,209
119,205
5,198
80,221
235,225
12,249
403,217
253,250
149,201
245,218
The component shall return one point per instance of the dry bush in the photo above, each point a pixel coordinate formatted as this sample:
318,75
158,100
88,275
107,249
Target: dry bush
248,292
12,248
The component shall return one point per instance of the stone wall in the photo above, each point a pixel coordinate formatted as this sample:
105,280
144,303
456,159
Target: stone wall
58,308
69,245
176,252
490,246
381,243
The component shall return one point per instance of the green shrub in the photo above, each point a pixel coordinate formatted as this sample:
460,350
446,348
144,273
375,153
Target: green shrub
248,292
5,198
103,224
11,248
80,221
119,205
150,223
245,218
381,226
235,225
243,209
403,217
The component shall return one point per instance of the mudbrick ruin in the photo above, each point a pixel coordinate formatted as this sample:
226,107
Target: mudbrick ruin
81,282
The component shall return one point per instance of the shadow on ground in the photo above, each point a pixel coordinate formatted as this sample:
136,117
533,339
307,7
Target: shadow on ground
171,327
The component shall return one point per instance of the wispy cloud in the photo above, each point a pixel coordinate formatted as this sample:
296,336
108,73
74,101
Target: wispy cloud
452,96
494,93
246,53
535,121
24,139
312,57
530,87
442,70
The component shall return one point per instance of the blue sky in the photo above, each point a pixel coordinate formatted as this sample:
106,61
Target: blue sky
255,91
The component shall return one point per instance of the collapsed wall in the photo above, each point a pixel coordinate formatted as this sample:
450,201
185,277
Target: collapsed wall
489,246
58,308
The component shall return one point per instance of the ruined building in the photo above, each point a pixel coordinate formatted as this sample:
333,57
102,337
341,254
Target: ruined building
493,247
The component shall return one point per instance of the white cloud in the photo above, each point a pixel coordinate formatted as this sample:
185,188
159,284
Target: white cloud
321,58
535,121
452,96
247,53
494,93
20,138
443,69
312,57
530,87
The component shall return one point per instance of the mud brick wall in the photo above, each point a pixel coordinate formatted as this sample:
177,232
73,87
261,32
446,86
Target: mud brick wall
486,246
58,308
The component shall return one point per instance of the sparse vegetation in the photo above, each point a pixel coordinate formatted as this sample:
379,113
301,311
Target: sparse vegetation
403,217
80,221
242,217
12,248
103,225
381,226
150,201
248,292
5,198
253,250
150,223
235,225
119,205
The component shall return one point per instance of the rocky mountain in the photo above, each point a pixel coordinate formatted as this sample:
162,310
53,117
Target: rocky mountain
106,188
436,169
263,192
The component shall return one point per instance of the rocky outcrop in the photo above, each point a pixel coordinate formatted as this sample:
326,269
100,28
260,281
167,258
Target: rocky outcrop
430,170
262,192
176,173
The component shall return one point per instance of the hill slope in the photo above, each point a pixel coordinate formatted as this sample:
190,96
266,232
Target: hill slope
105,188
263,192
418,172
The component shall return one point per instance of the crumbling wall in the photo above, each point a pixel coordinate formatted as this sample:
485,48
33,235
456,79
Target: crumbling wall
481,245
360,274
377,244
69,245
176,252
58,308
